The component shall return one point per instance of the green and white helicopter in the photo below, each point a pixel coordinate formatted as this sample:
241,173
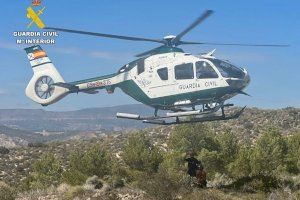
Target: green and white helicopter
165,78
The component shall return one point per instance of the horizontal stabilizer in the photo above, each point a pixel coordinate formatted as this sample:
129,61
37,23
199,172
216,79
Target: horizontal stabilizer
67,86
90,91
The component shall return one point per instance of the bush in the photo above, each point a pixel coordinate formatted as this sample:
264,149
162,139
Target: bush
6,192
74,192
36,144
139,154
74,177
241,166
4,150
46,172
212,162
228,146
255,183
192,136
269,153
293,158
95,161
164,185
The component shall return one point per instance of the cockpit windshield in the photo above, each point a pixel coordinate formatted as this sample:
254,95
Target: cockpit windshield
228,70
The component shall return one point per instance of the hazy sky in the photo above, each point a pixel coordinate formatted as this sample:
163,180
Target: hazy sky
274,71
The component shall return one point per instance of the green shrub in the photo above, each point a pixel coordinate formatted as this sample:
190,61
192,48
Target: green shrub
192,136
163,184
74,192
74,177
228,146
6,192
269,153
293,155
4,150
95,161
212,162
241,166
139,154
36,144
46,172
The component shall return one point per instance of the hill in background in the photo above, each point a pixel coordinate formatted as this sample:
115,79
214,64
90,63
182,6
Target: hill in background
18,127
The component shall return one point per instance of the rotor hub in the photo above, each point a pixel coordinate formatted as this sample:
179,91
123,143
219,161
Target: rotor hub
44,87
169,37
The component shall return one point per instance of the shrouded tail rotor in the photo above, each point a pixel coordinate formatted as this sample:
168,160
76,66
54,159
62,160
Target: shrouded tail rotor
44,87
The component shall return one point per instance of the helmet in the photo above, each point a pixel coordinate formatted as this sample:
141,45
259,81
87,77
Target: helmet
190,153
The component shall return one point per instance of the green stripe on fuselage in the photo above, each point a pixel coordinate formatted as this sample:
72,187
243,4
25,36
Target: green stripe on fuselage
132,89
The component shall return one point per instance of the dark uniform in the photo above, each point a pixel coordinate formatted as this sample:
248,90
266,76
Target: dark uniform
195,169
193,166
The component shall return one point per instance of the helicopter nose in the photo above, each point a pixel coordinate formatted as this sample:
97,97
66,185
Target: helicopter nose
247,78
239,83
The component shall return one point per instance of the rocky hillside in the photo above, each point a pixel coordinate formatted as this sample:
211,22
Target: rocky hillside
20,127
254,121
16,163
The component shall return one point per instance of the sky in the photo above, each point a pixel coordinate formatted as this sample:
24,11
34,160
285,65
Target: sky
274,72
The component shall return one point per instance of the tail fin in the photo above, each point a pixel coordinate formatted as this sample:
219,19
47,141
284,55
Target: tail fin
41,88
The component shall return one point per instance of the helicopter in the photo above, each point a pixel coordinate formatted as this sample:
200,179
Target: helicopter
190,88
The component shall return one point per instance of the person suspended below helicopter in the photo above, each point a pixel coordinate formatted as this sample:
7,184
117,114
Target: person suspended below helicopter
195,169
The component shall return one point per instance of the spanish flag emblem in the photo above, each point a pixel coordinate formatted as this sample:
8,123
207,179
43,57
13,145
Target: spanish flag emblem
39,54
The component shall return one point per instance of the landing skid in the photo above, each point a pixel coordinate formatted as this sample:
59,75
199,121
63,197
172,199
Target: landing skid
198,116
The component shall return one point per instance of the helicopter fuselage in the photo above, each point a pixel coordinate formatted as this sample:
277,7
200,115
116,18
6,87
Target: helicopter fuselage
173,79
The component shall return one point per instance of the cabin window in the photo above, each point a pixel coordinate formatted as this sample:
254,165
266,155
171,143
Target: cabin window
163,73
184,71
140,66
205,70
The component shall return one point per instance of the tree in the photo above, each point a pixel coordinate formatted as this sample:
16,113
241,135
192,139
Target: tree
6,192
293,155
139,154
163,184
95,161
98,161
46,171
212,162
268,154
228,146
4,150
241,167
192,136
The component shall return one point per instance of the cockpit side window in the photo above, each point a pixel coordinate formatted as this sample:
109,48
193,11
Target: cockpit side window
163,73
184,71
204,70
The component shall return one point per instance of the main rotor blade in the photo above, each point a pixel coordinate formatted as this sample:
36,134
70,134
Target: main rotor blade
149,51
236,44
200,19
122,37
